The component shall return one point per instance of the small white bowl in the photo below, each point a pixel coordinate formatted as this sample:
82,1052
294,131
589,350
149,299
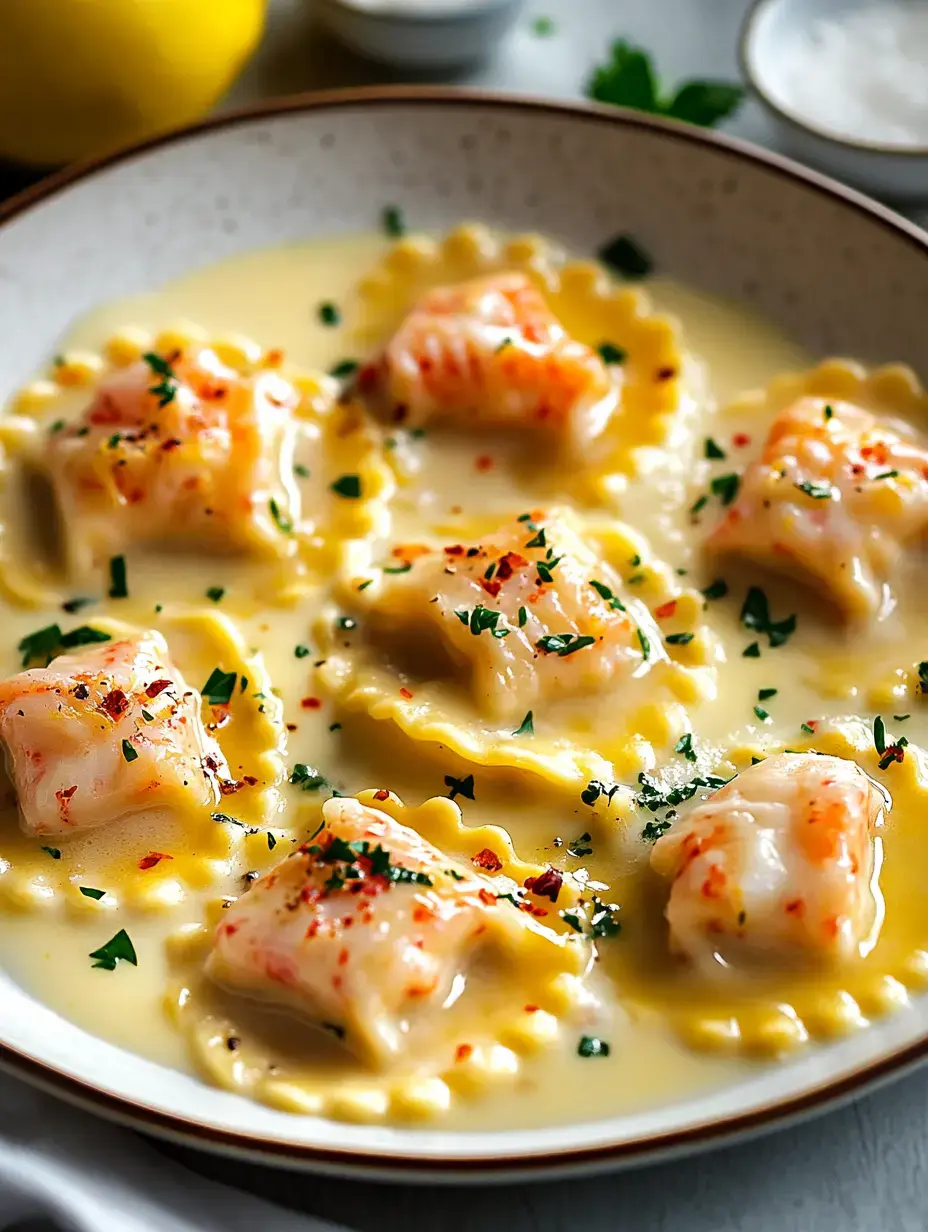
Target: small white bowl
418,34
898,173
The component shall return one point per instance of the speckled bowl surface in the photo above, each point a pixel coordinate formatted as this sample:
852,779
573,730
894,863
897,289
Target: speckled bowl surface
843,275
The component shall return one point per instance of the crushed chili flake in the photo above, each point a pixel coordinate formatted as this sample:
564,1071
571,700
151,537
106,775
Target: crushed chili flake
249,779
546,885
484,462
463,1051
156,687
665,374
291,727
530,1009
383,794
153,858
115,703
740,440
311,703
488,860
405,693
666,609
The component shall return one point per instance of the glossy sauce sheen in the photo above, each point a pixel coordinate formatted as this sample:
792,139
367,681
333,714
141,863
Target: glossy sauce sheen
823,671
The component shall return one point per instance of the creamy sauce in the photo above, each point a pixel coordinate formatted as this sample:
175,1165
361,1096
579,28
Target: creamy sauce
650,1005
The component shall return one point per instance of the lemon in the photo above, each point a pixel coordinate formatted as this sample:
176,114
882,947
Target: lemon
79,77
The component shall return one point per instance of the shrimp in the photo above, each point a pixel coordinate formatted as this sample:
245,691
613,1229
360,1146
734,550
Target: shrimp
181,449
835,498
361,928
107,732
531,613
778,863
491,352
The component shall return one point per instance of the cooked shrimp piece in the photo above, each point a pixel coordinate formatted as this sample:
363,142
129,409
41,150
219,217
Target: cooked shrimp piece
529,613
363,929
181,449
777,864
107,732
491,352
835,498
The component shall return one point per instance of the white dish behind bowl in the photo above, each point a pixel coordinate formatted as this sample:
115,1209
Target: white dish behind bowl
841,274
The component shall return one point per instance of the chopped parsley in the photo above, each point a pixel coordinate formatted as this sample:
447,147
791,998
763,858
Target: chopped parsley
480,620
271,841
679,639
595,789
653,830
609,353
393,221
763,694
685,746
887,475
165,389
716,590
538,541
761,713
526,727
592,1046
810,731
118,587
301,651
580,846
215,593
755,614
219,687
712,449
725,487
46,643
625,256
348,486
90,892
54,852
604,920
344,368
698,504
128,752
818,491
879,735
506,342
653,798
347,623
328,313
523,617
117,948
828,413
460,787
301,470
752,651
307,778
74,605
284,524
543,27
403,568
923,676
645,644
564,644
606,593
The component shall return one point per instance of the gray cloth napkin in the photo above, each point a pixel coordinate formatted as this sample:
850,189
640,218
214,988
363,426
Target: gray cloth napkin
86,1175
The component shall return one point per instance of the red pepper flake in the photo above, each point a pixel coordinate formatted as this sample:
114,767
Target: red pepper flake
463,1051
456,549
249,779
81,692
487,860
229,786
405,693
484,462
487,897
740,440
795,907
172,443
66,792
291,727
156,687
530,1009
383,794
115,703
153,858
491,587
665,609
546,885
273,358
368,378
311,703
665,374
508,565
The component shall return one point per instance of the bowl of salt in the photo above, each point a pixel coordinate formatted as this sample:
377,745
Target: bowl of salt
846,84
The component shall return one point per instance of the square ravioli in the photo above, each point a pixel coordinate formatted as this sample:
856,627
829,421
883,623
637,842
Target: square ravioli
835,498
180,449
364,928
107,732
528,614
777,863
491,352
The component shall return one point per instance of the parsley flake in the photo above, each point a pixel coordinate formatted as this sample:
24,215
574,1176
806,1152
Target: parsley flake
307,778
653,830
54,852
609,353
118,586
625,256
328,314
301,651
284,524
817,491
128,752
460,787
592,1046
685,746
527,726
606,593
712,449
344,368
215,593
716,590
763,694
679,639
348,486
393,221
755,614
564,644
90,892
645,644
117,948
219,687
725,487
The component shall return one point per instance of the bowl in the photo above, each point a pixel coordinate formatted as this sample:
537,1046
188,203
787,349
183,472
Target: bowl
840,273
768,41
420,34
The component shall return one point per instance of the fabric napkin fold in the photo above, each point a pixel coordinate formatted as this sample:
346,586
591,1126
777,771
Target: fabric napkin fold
90,1176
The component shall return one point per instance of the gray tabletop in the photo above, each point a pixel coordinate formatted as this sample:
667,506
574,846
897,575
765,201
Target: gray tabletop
862,1169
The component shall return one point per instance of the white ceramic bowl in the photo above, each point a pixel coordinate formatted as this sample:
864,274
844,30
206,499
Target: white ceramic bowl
840,273
768,39
425,34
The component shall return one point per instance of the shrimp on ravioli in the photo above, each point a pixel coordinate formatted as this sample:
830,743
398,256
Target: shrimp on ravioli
104,733
836,497
365,930
776,864
180,449
491,352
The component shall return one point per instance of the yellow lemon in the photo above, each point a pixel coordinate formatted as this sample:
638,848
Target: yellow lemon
79,77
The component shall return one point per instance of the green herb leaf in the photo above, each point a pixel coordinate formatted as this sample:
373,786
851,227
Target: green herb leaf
645,644
307,778
219,687
579,848
523,617
763,694
716,590
705,103
526,727
284,524
460,787
89,892
625,256
328,314
118,586
817,491
685,746
564,644
393,221
923,676
301,651
592,1046
403,568
606,593
887,475
301,470
117,948
609,353
54,852
215,593
128,751
348,486
879,735
43,645
271,841
543,27
752,651
679,639
725,487
761,713
344,368
712,450
538,541
653,830
698,504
